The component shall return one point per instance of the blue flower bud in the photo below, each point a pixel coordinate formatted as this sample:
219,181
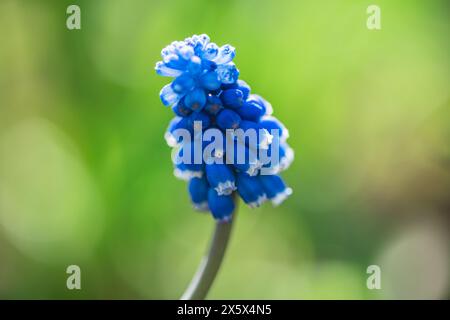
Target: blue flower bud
208,66
195,100
241,85
263,137
250,189
168,96
173,61
211,51
213,105
188,160
244,87
195,66
228,119
199,42
226,54
186,52
210,81
267,107
220,178
233,98
180,109
175,123
228,73
165,71
186,172
214,146
243,159
275,188
271,123
251,110
198,191
197,118
277,164
221,207
183,84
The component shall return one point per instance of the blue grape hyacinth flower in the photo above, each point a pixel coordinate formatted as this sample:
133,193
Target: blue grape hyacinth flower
209,100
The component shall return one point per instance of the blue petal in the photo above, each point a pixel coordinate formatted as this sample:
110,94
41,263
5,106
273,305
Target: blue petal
221,178
263,137
186,52
241,85
183,84
251,110
168,96
210,81
279,162
243,159
195,100
195,66
250,189
225,55
198,191
185,172
166,51
165,71
199,117
211,51
189,157
213,105
228,119
244,87
214,146
199,42
208,65
221,207
204,39
275,188
175,62
175,123
233,98
267,107
180,109
271,123
228,73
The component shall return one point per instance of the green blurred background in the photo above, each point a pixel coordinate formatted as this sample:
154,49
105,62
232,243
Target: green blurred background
86,178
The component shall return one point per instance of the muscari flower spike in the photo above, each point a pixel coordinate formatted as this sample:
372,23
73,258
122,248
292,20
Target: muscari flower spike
206,89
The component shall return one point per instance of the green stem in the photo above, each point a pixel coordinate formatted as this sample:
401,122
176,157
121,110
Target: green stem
210,264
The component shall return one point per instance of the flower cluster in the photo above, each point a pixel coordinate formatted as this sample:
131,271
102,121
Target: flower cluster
206,95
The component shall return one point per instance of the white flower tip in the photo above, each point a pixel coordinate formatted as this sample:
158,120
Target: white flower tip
202,206
170,139
187,174
281,196
283,164
254,168
258,202
225,188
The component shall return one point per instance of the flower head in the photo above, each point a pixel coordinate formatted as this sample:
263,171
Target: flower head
211,105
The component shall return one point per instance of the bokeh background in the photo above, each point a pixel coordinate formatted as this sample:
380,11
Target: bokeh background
86,178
